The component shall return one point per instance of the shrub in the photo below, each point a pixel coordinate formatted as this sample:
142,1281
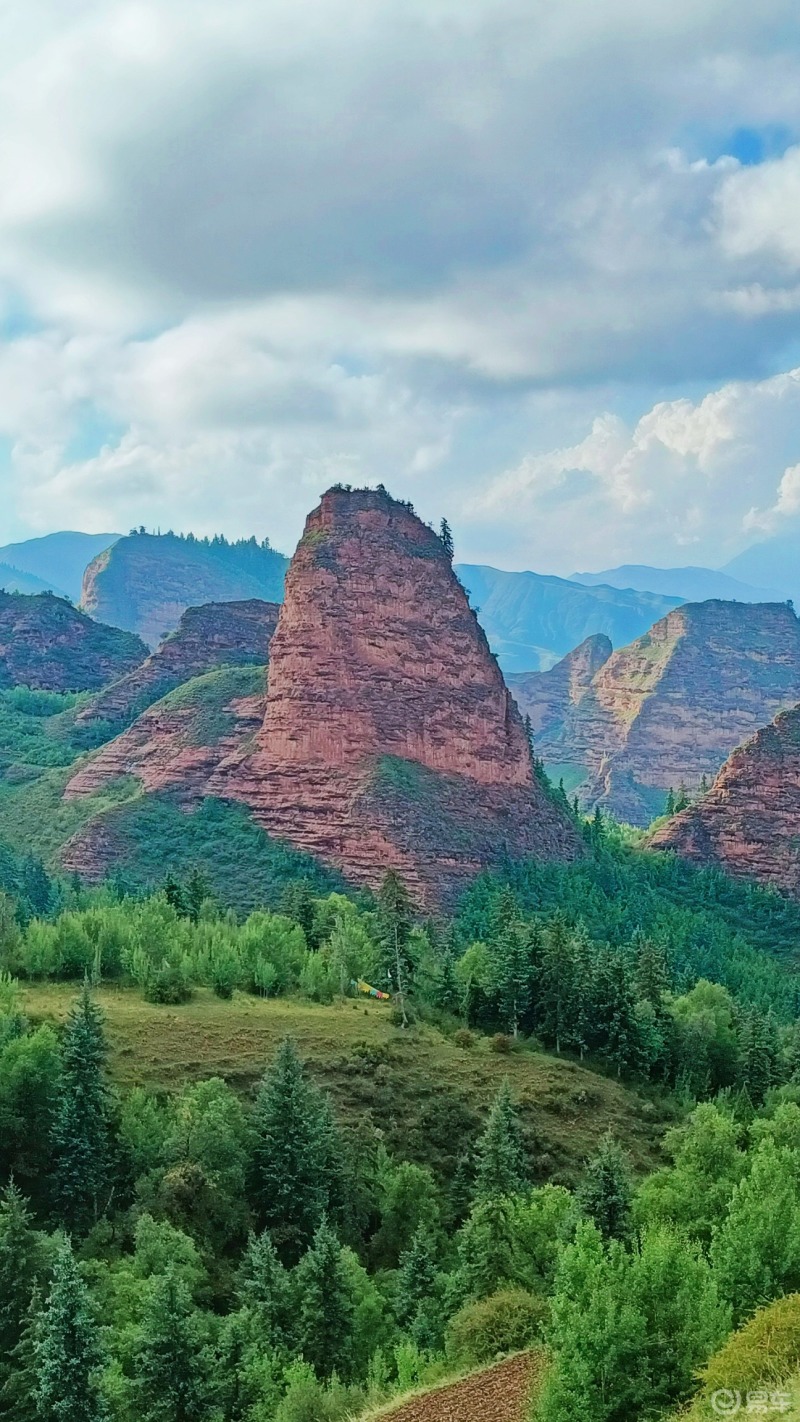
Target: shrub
766,1350
504,1322
501,1043
464,1038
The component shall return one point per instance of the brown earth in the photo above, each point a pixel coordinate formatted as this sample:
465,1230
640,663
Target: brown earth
668,709
749,822
498,1394
47,644
216,634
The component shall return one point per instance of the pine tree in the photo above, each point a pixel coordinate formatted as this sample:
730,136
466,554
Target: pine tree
606,1192
81,1128
651,976
169,1365
325,1306
501,1150
20,1261
67,1349
18,1395
511,974
557,996
197,891
174,894
446,538
418,1308
758,1054
262,1285
293,1153
394,929
669,804
616,1029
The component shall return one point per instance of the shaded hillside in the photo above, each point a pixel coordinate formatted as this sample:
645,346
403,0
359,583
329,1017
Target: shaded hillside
146,581
547,697
58,559
670,707
532,620
207,637
749,822
48,645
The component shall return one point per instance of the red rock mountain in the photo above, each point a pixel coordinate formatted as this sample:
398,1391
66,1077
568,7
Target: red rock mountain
47,644
670,707
389,739
214,635
548,697
749,822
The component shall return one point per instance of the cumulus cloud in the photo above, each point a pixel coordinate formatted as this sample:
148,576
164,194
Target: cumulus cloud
418,241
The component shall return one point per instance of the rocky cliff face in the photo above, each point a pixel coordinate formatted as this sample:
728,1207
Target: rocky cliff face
749,822
145,582
217,634
670,707
390,738
47,644
549,697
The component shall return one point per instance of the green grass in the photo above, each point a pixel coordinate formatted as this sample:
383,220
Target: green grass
208,697
426,1095
35,819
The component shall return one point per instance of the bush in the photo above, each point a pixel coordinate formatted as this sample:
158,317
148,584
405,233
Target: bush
766,1350
464,1038
505,1322
168,984
501,1043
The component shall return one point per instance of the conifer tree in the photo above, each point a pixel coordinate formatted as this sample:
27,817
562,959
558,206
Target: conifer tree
18,1394
606,1191
20,1261
418,1309
556,998
67,1349
169,1365
197,891
394,929
294,1156
651,975
446,537
511,975
616,1028
669,804
501,1163
174,894
325,1306
758,1067
263,1286
81,1128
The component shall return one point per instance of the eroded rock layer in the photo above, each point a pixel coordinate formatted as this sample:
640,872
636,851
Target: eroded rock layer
47,644
390,738
549,697
214,635
749,822
668,709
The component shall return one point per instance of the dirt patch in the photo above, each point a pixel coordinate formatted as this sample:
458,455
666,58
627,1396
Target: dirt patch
501,1393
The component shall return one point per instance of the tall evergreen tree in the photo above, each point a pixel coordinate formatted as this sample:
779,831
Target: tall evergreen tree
20,1261
263,1285
18,1395
418,1308
555,1009
170,1365
501,1150
325,1306
68,1353
446,538
294,1156
81,1129
606,1192
394,929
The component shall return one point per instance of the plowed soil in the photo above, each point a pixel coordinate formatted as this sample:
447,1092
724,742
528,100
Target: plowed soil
498,1394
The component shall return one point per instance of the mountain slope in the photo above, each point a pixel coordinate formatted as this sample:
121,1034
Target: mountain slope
749,822
58,559
774,563
532,620
13,581
48,645
670,707
146,581
688,584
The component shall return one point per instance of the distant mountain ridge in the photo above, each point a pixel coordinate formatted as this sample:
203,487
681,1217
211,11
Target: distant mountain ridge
691,584
532,620
57,561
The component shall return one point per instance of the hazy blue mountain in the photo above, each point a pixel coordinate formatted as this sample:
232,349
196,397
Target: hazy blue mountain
58,559
690,584
12,580
777,562
532,620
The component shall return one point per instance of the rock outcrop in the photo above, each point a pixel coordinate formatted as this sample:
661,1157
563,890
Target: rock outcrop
749,822
670,707
47,644
214,635
390,739
145,582
549,697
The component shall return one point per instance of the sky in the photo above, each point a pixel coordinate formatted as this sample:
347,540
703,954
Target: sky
534,266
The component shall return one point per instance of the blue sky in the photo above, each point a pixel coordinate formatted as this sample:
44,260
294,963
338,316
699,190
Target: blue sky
534,267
